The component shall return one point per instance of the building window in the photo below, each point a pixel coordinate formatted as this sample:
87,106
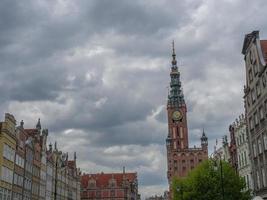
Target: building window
174,132
245,155
259,144
182,144
248,184
253,95
7,175
258,179
5,194
181,132
265,141
9,153
254,150
261,112
256,119
19,161
27,183
263,81
258,89
242,158
17,196
250,75
98,194
255,68
112,193
251,123
248,100
263,177
18,180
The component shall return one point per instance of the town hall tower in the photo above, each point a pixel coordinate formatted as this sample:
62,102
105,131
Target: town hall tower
180,158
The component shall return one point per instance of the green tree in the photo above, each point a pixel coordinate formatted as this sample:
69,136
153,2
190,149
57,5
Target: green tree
204,183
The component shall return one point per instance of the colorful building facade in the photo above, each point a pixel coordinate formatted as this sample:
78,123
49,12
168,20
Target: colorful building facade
31,171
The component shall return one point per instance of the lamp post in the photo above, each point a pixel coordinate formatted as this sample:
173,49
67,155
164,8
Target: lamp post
221,173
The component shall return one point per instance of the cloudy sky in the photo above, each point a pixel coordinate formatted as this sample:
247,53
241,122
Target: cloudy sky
96,72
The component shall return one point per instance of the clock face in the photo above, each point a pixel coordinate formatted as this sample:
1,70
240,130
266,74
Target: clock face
177,115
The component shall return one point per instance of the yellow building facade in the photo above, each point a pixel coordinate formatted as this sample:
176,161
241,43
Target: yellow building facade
7,155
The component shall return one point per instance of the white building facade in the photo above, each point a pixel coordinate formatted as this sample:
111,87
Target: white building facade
244,163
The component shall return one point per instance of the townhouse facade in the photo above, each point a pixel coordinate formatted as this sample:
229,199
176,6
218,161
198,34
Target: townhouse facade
29,170
255,96
243,153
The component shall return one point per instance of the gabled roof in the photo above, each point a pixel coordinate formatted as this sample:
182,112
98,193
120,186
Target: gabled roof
248,38
102,179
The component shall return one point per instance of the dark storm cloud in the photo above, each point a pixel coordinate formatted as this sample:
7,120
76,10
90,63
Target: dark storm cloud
97,72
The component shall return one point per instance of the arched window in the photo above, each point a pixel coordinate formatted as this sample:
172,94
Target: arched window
91,183
112,182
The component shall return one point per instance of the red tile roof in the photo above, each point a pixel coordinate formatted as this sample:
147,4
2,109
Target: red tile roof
264,49
102,180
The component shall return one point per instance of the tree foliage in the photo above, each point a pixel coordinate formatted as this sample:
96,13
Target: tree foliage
205,183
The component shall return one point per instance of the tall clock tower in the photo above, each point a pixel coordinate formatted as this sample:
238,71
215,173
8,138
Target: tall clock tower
180,158
176,109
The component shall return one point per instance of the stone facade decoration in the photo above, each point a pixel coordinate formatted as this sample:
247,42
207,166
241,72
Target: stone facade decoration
116,186
180,157
255,56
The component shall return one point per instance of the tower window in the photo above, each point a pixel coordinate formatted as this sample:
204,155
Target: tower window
258,89
181,132
250,75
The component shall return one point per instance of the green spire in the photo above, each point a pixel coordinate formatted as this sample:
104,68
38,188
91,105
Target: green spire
176,97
